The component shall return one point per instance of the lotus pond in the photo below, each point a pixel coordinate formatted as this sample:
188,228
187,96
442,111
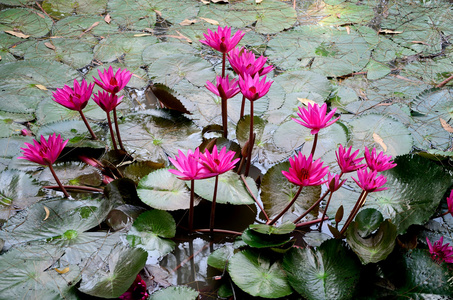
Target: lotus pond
383,67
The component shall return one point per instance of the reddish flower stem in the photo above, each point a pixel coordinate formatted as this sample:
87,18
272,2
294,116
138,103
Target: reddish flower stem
224,117
311,207
253,196
309,223
214,198
58,182
325,211
93,136
242,107
251,142
192,196
287,207
219,231
117,128
75,187
111,132
354,211
313,148
223,64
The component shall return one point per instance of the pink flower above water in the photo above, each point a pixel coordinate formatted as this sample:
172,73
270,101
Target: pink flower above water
221,40
113,83
379,162
439,252
245,62
75,98
450,203
333,182
315,118
218,162
252,87
137,291
304,171
189,167
347,161
370,181
107,101
224,88
44,152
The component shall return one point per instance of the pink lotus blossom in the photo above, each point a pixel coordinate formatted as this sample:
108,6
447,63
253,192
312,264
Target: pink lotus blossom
221,40
107,101
245,62
44,152
333,182
137,291
347,161
218,163
370,181
224,88
76,98
252,88
189,167
113,83
378,162
25,132
315,118
440,252
450,203
306,172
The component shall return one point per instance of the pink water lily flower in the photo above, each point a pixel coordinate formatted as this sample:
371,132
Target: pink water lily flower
252,87
45,152
450,203
113,83
304,171
137,291
221,40
315,118
370,181
107,101
75,98
379,162
224,87
189,167
218,162
333,182
440,252
244,62
347,161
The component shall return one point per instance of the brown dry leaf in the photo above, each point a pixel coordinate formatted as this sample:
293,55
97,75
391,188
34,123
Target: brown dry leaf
446,126
348,30
92,26
181,37
65,270
338,16
305,101
221,1
41,87
187,22
107,19
142,34
258,1
18,34
388,31
41,15
0,57
210,21
49,45
47,212
420,42
205,1
158,12
380,141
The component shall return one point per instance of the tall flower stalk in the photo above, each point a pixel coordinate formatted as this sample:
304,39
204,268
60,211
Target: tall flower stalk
108,102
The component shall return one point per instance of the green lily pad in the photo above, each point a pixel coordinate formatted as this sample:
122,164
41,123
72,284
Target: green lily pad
27,21
230,189
10,123
175,293
84,26
258,240
368,220
346,13
377,70
118,274
329,272
274,16
219,258
152,230
284,228
258,276
373,248
62,8
161,50
10,148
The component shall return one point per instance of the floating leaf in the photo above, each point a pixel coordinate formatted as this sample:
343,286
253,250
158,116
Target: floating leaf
258,240
62,8
284,228
175,293
76,27
28,21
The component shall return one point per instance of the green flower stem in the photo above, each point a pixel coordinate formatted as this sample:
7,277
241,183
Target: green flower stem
58,182
75,187
117,128
251,141
311,207
315,142
354,211
214,198
287,207
242,107
93,136
111,132
253,196
192,196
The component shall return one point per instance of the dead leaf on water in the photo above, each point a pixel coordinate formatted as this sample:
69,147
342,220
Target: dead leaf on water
107,19
380,141
41,87
41,15
158,13
205,1
49,45
258,1
348,30
18,34
388,31
420,42
305,101
446,126
210,21
47,212
222,1
65,270
142,34
187,22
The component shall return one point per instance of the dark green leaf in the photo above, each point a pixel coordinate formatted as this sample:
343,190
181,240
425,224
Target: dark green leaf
368,220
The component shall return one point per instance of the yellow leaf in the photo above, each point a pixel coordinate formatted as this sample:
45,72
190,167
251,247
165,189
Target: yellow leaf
49,45
210,21
47,213
187,22
107,19
65,270
380,141
142,34
305,101
445,125
41,87
18,34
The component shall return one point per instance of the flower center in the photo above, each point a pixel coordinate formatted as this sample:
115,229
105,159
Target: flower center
304,174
